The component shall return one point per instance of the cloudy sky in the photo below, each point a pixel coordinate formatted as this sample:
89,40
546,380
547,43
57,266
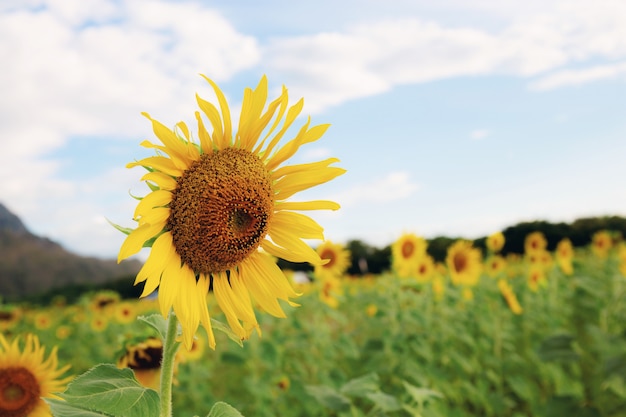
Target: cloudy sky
455,117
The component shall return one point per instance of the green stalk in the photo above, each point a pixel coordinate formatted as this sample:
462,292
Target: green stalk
170,347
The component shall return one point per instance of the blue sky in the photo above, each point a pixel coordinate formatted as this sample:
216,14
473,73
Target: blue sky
454,117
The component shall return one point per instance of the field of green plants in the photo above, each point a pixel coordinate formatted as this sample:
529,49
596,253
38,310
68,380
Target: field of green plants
529,338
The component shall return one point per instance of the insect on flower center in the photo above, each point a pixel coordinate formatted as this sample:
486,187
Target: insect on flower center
220,210
19,392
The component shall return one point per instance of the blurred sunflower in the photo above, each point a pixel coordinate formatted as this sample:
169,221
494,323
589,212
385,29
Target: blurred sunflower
535,242
125,312
425,268
330,289
10,316
337,257
564,255
464,263
509,296
495,265
601,243
218,208
144,358
26,377
405,252
495,242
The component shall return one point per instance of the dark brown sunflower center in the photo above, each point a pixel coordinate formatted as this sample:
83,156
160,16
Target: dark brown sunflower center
220,210
460,262
19,392
328,254
407,249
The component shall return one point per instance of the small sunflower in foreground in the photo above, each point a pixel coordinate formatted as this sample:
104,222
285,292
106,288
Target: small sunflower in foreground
144,358
26,377
337,257
564,255
220,209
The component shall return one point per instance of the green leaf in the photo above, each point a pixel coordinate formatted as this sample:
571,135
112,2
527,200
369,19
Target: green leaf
558,348
157,322
328,397
384,401
111,391
219,326
570,407
420,395
222,409
360,387
60,408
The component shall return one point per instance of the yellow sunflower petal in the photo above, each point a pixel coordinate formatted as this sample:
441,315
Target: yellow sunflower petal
226,301
299,224
290,254
290,148
206,144
159,257
168,138
307,205
205,319
292,114
291,184
186,311
163,181
169,289
158,198
158,163
225,140
135,240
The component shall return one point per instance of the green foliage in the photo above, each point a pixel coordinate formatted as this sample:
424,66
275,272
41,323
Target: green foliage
106,391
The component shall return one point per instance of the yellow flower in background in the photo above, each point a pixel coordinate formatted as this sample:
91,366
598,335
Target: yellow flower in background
495,265
26,377
193,354
42,320
536,278
144,358
63,331
535,242
439,286
102,301
330,290
601,243
220,207
495,242
464,263
564,255
10,316
405,252
125,312
337,257
509,297
99,323
425,269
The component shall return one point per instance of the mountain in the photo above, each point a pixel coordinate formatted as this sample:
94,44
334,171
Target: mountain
30,264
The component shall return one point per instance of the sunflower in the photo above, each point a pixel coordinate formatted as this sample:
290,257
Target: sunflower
601,243
564,255
509,297
144,358
495,242
464,263
26,377
219,208
425,268
535,242
495,265
405,252
10,316
337,257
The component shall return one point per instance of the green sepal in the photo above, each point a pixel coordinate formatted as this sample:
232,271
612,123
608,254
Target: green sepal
125,230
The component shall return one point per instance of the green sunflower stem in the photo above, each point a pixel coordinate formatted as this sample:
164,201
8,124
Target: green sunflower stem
170,347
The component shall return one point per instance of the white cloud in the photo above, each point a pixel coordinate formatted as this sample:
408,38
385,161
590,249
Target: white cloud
365,59
391,187
579,76
479,134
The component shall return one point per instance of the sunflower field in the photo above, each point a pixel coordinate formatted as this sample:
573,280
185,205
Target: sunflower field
538,334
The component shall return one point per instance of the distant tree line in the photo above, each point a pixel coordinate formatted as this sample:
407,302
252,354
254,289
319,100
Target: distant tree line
373,260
